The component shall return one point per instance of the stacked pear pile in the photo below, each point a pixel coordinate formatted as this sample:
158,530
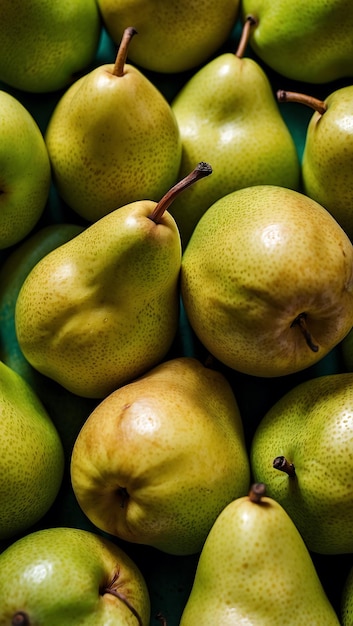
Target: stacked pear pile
176,306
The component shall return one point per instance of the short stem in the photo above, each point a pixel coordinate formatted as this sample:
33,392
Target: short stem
301,98
250,22
281,463
20,619
200,171
257,491
121,56
300,321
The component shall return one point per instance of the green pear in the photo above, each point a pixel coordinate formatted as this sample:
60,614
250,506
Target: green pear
174,36
31,459
301,449
62,576
267,281
159,458
112,139
25,175
304,41
227,112
103,308
347,600
327,161
255,569
44,44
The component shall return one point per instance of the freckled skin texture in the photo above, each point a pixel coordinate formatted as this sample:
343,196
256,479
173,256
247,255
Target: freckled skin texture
255,570
44,43
31,456
347,601
103,308
59,576
173,36
24,171
173,440
305,41
312,426
257,259
228,114
328,158
112,140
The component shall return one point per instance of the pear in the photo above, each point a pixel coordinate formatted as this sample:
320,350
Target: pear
304,41
103,308
174,36
227,112
255,569
159,458
44,44
62,576
347,600
267,282
31,459
327,161
25,174
112,139
301,449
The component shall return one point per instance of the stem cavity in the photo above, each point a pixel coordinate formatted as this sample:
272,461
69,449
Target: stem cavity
121,56
293,96
20,619
300,321
281,463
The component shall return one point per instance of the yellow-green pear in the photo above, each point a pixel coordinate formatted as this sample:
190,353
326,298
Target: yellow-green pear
45,44
304,41
302,450
327,161
61,576
175,36
227,112
159,458
25,174
103,308
112,139
255,570
31,456
267,281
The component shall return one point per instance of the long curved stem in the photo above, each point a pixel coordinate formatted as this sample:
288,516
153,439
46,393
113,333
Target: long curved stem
302,98
121,56
250,22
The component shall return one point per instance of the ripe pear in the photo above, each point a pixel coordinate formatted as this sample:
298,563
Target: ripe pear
304,41
62,576
112,139
31,456
103,308
159,458
255,569
174,36
327,161
44,44
301,449
347,600
227,112
267,281
25,174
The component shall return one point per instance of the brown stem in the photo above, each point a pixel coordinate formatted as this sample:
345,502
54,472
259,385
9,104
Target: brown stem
300,321
250,22
301,98
20,619
257,491
121,56
161,619
123,598
281,463
200,171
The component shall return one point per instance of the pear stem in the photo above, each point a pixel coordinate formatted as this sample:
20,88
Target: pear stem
20,619
301,98
121,56
281,463
257,491
124,599
250,22
161,619
300,321
201,170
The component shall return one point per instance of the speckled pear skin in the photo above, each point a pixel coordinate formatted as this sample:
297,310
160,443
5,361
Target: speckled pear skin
328,157
173,441
347,601
32,456
259,258
59,576
103,308
312,427
305,41
227,113
112,140
255,570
